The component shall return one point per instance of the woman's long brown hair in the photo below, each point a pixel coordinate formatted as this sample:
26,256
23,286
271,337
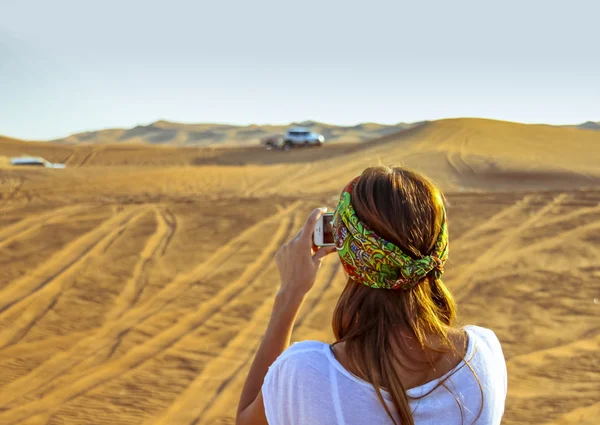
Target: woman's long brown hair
380,328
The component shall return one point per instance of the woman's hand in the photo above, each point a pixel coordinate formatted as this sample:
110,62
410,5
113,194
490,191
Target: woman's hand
296,262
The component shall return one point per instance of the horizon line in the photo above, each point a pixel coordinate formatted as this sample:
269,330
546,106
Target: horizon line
295,123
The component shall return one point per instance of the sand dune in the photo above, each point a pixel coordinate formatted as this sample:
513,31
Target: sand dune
166,133
136,283
589,125
178,134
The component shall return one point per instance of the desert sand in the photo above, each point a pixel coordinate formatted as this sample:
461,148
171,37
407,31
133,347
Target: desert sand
136,283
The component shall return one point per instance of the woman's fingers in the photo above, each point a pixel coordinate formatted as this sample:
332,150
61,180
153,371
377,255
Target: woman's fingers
323,252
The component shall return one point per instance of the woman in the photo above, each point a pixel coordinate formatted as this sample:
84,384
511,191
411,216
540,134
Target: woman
399,357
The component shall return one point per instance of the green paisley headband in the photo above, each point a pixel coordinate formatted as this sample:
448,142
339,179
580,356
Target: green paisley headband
375,262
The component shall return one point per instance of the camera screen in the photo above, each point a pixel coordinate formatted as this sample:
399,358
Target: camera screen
327,229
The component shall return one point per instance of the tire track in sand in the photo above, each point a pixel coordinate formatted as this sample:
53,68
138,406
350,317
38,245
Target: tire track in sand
583,415
458,163
491,222
464,282
21,318
82,382
88,157
62,261
31,224
570,216
189,408
133,288
556,240
171,221
95,348
50,343
557,353
234,356
566,217
68,157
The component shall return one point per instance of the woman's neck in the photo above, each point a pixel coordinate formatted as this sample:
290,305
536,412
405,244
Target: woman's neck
417,364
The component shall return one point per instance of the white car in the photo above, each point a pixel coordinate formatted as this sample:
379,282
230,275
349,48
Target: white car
34,161
301,136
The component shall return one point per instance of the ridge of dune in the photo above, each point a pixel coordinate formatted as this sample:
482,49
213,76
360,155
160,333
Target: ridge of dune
459,154
589,125
478,154
164,132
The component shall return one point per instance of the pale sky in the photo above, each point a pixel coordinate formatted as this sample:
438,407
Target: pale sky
70,65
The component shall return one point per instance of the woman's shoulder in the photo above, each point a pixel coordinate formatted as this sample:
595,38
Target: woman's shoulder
486,356
301,362
483,338
303,351
309,345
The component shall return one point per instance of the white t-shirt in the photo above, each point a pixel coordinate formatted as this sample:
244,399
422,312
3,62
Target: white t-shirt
308,386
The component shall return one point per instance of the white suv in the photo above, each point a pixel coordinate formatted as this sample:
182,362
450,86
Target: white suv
300,136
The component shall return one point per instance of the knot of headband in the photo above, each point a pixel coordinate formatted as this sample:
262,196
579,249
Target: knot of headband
375,262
